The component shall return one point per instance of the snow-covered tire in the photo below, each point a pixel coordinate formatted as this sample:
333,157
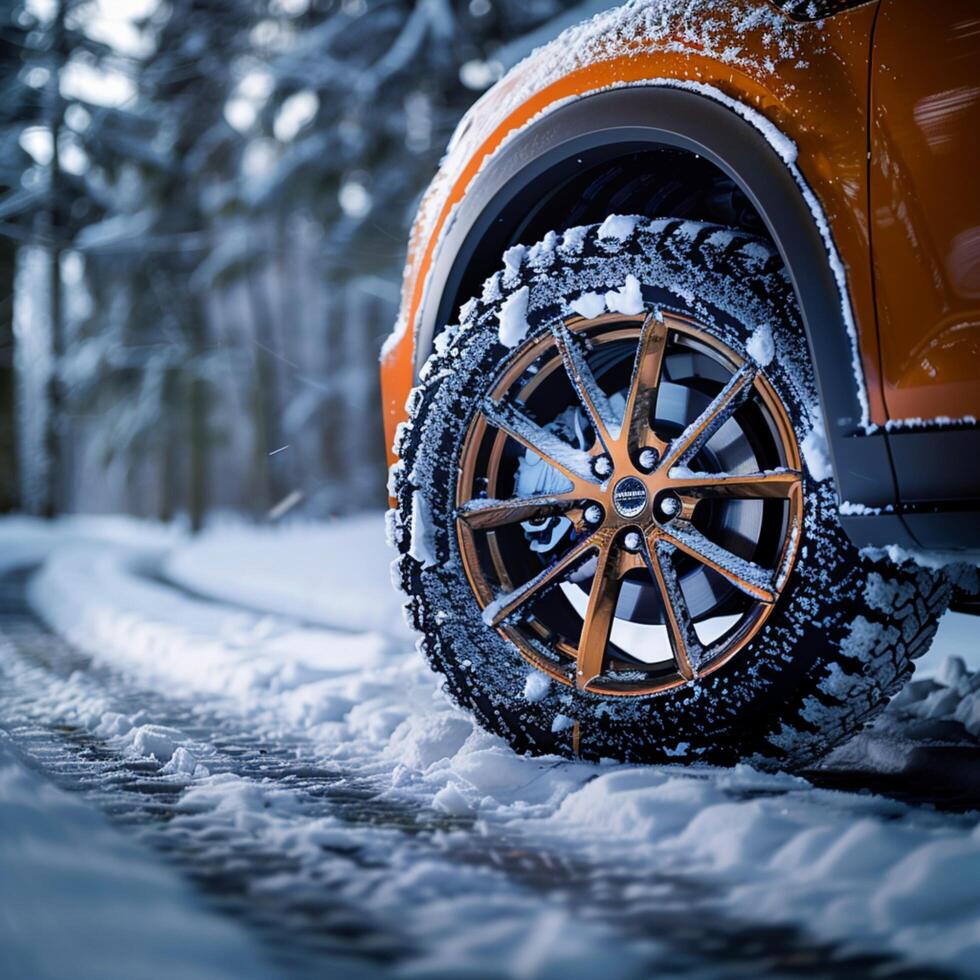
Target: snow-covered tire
845,631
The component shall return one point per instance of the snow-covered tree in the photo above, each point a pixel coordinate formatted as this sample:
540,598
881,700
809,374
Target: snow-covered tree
162,163
17,108
232,188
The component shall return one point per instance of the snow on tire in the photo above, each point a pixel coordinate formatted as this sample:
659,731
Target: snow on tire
841,635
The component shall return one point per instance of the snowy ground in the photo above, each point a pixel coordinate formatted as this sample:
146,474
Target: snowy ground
249,712
73,891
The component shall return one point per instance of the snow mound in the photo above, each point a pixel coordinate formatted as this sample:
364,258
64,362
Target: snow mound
951,694
513,318
628,299
760,346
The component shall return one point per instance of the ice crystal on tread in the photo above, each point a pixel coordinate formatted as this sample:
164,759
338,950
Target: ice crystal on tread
562,723
536,686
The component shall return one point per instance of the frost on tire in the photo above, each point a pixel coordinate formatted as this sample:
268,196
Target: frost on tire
629,410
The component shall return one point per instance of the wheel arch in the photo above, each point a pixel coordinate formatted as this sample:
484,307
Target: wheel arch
661,115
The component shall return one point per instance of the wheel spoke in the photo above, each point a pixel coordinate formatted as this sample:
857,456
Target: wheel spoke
599,614
752,579
594,400
504,606
771,484
486,514
642,396
722,407
589,529
684,640
572,463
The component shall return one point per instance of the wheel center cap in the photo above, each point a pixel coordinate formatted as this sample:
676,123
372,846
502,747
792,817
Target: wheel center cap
629,497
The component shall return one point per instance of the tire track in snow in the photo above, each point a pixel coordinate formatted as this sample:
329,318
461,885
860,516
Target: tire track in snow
136,793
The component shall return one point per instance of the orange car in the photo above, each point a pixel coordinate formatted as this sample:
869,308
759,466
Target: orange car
683,393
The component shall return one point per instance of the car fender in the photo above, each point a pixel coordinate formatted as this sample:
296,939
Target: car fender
757,125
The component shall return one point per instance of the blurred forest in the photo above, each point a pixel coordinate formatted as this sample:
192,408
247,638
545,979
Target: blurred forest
204,206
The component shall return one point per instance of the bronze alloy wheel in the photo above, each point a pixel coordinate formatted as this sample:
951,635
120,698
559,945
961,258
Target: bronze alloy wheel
663,536
677,588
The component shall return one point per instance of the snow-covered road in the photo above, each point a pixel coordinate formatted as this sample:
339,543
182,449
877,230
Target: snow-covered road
248,707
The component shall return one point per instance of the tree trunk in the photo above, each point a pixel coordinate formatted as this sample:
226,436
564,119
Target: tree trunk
197,421
333,404
9,475
290,324
51,233
268,402
170,456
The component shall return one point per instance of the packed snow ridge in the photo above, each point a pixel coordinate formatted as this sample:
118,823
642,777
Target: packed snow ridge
816,452
513,318
513,323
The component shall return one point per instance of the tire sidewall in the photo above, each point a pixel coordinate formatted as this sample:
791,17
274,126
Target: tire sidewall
751,706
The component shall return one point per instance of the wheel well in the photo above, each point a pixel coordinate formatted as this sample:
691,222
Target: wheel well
652,181
661,151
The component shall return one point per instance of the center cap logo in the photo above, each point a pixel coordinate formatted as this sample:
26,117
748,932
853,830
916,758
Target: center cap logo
629,496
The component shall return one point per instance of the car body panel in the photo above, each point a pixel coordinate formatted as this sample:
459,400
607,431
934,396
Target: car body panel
925,199
811,84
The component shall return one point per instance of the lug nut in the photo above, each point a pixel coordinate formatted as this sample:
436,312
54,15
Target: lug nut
670,506
648,459
602,466
632,541
593,514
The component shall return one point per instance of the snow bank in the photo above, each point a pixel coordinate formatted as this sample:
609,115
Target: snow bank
79,900
102,599
323,573
854,868
27,541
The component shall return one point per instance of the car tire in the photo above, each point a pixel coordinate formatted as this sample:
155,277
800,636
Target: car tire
835,645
